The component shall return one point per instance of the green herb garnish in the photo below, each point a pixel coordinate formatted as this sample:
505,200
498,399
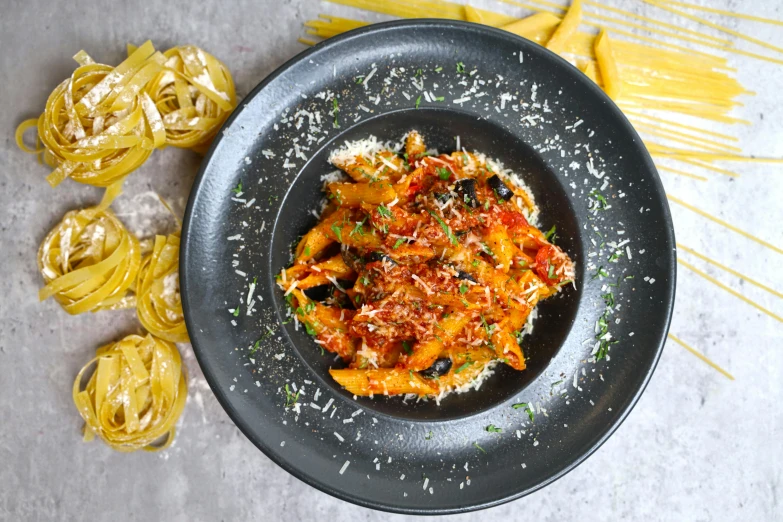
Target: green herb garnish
290,398
463,289
335,112
418,101
479,447
238,189
464,365
551,234
384,211
493,429
399,242
445,228
407,347
338,231
460,67
525,405
443,173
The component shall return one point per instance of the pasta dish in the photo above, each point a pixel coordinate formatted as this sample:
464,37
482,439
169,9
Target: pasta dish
424,270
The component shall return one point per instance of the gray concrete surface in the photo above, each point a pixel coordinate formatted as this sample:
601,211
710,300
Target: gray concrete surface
697,447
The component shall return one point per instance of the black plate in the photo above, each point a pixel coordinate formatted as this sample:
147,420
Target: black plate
566,121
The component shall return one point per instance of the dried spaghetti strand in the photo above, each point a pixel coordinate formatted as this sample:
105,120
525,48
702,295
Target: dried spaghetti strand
724,224
730,290
680,172
135,395
719,27
158,302
194,94
730,270
701,356
725,13
89,261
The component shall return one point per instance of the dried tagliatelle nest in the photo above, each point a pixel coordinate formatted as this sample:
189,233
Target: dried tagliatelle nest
89,260
194,94
158,301
135,395
103,122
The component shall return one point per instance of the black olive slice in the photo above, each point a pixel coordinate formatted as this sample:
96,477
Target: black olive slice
466,276
380,256
438,368
500,188
466,188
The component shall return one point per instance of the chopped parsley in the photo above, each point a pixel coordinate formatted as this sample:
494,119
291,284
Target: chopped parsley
479,447
600,201
338,231
238,188
428,436
335,113
359,79
443,173
358,228
309,329
307,251
439,98
236,311
438,69
616,256
460,67
526,406
550,274
418,101
463,289
475,262
399,242
464,365
290,398
384,211
407,347
600,273
445,228
493,429
488,328
551,234
269,332
418,73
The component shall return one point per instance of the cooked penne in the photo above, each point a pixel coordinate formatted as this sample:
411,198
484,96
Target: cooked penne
439,267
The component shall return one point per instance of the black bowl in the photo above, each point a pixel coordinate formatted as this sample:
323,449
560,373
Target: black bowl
568,141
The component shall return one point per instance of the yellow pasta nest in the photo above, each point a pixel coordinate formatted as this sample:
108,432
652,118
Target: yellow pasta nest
135,395
194,94
89,260
103,122
158,301
99,125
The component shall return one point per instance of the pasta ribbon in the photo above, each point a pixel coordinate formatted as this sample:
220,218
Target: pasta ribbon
89,261
135,395
194,94
98,125
158,302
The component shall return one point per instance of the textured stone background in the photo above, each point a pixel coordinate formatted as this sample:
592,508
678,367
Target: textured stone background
697,447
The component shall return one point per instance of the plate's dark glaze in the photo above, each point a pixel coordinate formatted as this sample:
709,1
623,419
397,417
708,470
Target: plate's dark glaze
579,403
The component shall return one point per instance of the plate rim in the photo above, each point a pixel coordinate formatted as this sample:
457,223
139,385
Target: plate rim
627,127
